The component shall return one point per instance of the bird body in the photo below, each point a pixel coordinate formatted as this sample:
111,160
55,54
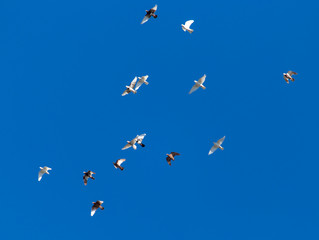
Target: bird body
87,175
171,157
138,139
288,76
186,26
198,84
149,14
43,170
217,145
118,163
130,88
96,205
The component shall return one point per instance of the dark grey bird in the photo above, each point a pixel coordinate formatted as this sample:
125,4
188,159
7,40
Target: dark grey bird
171,157
96,205
149,14
87,175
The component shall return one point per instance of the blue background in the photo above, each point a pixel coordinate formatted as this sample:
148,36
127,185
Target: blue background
64,66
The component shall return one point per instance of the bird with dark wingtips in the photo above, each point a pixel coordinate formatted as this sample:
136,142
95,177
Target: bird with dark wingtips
149,14
171,157
288,76
118,163
96,205
87,175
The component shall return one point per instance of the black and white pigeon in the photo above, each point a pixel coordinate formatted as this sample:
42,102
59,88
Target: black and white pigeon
96,205
149,14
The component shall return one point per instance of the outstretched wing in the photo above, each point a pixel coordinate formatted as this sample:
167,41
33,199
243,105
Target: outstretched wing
220,141
133,82
41,172
212,150
127,146
93,210
194,88
125,92
140,137
139,83
175,154
154,8
120,161
188,23
146,18
202,79
292,73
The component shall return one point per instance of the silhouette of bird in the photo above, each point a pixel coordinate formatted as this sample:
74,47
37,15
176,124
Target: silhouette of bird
217,145
149,14
171,157
288,76
187,25
87,175
43,171
96,205
198,84
118,163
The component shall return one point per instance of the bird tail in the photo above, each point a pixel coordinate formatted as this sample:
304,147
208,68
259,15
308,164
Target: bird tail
146,82
221,147
203,87
142,145
155,16
184,29
292,79
134,147
190,30
93,178
102,208
122,168
134,91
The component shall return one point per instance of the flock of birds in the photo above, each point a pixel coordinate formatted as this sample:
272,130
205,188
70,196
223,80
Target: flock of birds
133,87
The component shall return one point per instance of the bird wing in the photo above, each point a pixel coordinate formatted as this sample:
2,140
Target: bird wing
194,88
133,82
41,172
188,23
85,179
175,154
145,19
213,149
292,73
140,137
220,141
93,210
202,79
127,146
154,8
125,92
139,83
120,161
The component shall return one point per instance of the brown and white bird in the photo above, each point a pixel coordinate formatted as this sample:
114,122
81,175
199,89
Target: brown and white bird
43,171
171,157
87,175
96,205
288,76
118,163
217,145
149,14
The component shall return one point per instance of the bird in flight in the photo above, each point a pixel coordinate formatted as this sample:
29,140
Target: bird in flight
171,157
186,26
288,76
118,163
149,14
87,175
140,139
96,205
198,84
131,144
141,81
217,145
43,171
130,88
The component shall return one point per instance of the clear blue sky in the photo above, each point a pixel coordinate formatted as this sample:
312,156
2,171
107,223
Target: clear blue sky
63,68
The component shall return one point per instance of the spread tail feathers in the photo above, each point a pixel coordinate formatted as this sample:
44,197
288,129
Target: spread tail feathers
203,87
122,168
155,16
190,30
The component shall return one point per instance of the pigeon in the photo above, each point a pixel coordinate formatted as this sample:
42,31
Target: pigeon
187,25
149,14
198,84
118,163
140,139
87,175
130,88
43,171
131,144
141,81
288,76
96,205
217,145
171,156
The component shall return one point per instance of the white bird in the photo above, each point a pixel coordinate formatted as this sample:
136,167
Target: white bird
131,144
187,25
130,88
288,76
198,84
141,81
43,171
140,139
217,145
